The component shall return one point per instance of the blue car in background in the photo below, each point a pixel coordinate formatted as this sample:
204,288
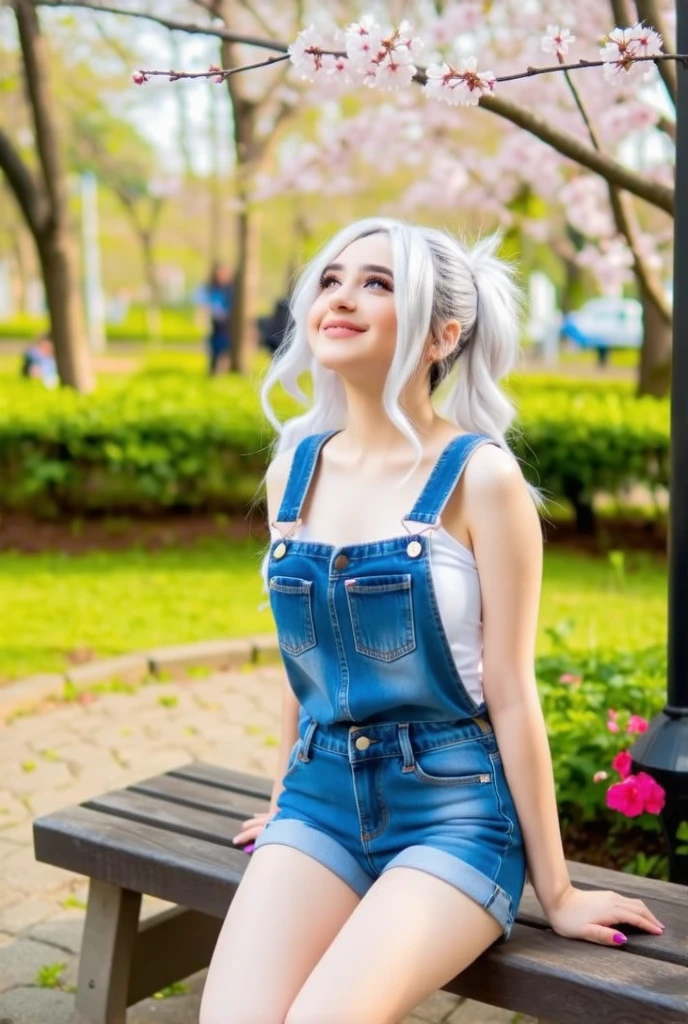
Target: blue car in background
605,323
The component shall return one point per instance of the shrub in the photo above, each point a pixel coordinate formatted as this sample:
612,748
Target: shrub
169,440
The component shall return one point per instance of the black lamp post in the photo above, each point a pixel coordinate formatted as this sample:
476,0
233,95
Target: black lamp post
663,749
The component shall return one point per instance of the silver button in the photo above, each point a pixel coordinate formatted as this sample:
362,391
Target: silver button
362,743
414,548
280,551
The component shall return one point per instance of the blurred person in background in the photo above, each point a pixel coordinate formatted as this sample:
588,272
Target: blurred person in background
218,298
38,362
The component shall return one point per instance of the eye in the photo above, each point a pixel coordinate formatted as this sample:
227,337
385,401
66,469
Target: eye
327,279
382,281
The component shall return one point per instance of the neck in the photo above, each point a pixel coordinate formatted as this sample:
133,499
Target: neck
369,430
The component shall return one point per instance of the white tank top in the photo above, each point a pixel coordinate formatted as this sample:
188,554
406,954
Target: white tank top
457,589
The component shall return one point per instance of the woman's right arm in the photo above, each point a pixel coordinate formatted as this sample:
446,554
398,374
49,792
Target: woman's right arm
275,483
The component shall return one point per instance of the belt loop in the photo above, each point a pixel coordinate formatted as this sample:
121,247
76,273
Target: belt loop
406,748
304,753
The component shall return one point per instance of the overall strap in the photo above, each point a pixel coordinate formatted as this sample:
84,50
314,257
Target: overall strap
445,476
300,475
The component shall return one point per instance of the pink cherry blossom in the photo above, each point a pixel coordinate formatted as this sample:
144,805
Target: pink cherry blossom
624,44
305,52
637,724
557,40
627,797
139,77
600,776
653,794
458,86
622,764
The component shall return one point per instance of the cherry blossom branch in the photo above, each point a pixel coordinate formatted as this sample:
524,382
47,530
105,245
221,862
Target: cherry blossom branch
625,219
569,145
191,28
649,12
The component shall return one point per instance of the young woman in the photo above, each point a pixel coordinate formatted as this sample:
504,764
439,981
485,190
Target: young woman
414,779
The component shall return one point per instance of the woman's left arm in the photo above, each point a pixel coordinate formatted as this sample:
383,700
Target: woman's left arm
505,532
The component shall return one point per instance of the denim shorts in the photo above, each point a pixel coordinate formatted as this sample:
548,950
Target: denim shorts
426,795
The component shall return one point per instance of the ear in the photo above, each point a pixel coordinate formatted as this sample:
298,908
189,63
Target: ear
441,348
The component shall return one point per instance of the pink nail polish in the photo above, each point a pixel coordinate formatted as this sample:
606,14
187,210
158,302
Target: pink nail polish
619,938
249,848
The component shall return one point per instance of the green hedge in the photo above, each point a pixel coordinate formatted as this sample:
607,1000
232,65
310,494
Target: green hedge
176,325
174,441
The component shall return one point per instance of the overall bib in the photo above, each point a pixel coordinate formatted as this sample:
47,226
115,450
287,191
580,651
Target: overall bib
395,764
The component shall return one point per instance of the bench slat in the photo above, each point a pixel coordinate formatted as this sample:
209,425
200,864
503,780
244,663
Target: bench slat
556,979
224,778
164,814
569,981
201,796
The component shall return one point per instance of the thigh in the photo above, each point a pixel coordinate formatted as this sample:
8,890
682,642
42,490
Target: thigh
286,912
411,934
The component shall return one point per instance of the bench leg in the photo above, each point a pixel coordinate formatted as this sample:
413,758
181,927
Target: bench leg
107,950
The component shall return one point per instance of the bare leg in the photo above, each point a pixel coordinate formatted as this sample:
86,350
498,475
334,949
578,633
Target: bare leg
410,935
286,912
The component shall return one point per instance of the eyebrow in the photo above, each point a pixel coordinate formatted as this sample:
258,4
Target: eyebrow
368,268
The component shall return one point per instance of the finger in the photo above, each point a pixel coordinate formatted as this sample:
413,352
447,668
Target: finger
604,936
644,911
246,835
639,921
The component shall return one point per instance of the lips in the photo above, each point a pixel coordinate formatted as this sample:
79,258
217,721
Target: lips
342,329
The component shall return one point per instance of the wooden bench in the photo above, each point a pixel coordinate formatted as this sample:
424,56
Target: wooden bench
170,837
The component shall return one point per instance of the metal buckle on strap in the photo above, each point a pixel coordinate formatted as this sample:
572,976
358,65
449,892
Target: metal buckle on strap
426,529
294,526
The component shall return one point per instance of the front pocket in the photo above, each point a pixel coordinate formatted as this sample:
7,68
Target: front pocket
381,612
452,765
291,599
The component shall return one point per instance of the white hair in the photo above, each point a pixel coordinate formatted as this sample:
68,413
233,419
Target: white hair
436,280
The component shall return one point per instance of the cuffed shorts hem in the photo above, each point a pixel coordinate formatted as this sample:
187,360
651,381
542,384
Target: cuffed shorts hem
473,883
323,848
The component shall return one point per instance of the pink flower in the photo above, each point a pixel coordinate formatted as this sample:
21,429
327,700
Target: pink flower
557,40
622,764
653,794
612,726
139,77
627,797
569,679
637,724
599,777
635,794
458,86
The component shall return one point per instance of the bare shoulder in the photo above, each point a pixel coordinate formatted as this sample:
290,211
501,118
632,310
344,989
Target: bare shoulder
491,473
496,492
276,479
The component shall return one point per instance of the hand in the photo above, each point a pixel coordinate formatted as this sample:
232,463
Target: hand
251,829
591,915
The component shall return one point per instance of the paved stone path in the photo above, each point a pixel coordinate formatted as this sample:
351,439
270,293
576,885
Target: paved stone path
68,752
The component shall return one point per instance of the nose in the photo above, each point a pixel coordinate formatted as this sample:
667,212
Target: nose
342,297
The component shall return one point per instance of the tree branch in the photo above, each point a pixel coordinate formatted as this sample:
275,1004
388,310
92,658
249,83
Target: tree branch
653,192
24,186
191,28
627,223
649,12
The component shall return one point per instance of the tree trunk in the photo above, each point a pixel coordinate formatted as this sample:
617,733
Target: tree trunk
60,278
654,376
243,339
153,314
48,213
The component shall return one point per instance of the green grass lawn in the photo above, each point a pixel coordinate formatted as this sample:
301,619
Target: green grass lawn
114,602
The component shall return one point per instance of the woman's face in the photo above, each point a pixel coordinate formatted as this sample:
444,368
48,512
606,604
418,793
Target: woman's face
352,324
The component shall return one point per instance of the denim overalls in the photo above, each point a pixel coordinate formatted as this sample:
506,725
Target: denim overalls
395,764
